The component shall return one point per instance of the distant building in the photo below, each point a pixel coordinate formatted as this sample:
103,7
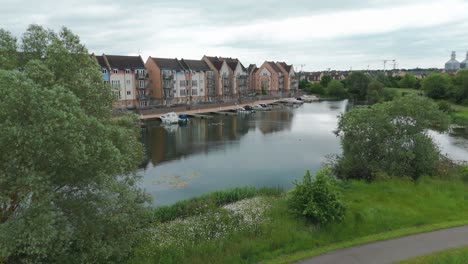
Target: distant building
464,64
127,75
232,79
452,64
174,81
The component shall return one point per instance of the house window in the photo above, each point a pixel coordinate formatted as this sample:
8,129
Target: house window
201,90
116,84
106,82
194,83
128,82
182,83
104,71
129,92
141,84
183,92
187,83
127,71
194,92
116,71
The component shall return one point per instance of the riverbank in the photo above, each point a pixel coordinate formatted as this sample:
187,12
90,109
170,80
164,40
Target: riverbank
210,108
383,207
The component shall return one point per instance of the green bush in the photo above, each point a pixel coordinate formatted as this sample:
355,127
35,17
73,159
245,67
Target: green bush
444,106
317,199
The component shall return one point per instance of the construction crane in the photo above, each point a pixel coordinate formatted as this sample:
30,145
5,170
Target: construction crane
385,64
302,65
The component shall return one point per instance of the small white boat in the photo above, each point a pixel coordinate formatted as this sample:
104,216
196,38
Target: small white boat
309,99
173,118
292,101
261,107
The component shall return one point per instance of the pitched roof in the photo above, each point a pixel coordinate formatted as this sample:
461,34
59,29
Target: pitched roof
122,62
285,66
195,65
101,61
217,63
274,66
251,67
168,64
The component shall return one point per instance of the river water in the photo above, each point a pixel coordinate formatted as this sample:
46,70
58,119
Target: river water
262,149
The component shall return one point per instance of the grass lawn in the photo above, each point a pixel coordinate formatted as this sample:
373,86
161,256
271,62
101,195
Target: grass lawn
402,91
453,256
376,211
460,116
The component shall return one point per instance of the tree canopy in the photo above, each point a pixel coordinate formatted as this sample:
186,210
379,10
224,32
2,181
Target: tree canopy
67,168
390,138
436,85
357,83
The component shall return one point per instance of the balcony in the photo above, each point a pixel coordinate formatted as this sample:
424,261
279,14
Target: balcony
142,75
168,93
168,76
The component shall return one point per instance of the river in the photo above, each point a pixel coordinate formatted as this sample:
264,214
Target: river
262,149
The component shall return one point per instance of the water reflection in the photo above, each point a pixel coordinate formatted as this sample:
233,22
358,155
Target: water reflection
263,149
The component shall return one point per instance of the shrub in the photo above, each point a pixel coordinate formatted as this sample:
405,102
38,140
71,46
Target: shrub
444,106
317,199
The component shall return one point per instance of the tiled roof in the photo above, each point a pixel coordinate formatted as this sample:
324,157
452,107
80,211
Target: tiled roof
217,63
101,61
251,67
274,66
168,64
195,65
122,62
285,66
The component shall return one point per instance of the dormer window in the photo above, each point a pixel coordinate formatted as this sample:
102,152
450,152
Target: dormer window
127,71
104,71
116,71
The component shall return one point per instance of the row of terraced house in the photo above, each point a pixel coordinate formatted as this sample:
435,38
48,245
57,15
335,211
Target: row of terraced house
164,81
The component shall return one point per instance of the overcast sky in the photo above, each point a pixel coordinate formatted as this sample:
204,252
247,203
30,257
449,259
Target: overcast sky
336,34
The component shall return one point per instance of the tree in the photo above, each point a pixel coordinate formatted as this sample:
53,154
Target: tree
408,81
314,88
384,79
436,85
374,92
326,79
303,84
356,84
459,91
390,138
8,50
336,89
67,169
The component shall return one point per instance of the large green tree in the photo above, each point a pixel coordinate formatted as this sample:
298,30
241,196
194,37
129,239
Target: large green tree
336,89
68,188
390,138
437,85
357,83
8,50
459,91
408,81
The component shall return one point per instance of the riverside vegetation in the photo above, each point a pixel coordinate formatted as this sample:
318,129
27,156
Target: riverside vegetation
390,176
69,192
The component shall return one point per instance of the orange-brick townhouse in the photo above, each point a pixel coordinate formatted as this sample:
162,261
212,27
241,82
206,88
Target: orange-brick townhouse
270,79
251,70
231,77
291,83
174,81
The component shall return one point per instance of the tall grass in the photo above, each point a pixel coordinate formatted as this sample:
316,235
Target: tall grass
372,208
199,204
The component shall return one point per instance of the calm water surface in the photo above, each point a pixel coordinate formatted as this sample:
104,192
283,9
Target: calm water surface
262,149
